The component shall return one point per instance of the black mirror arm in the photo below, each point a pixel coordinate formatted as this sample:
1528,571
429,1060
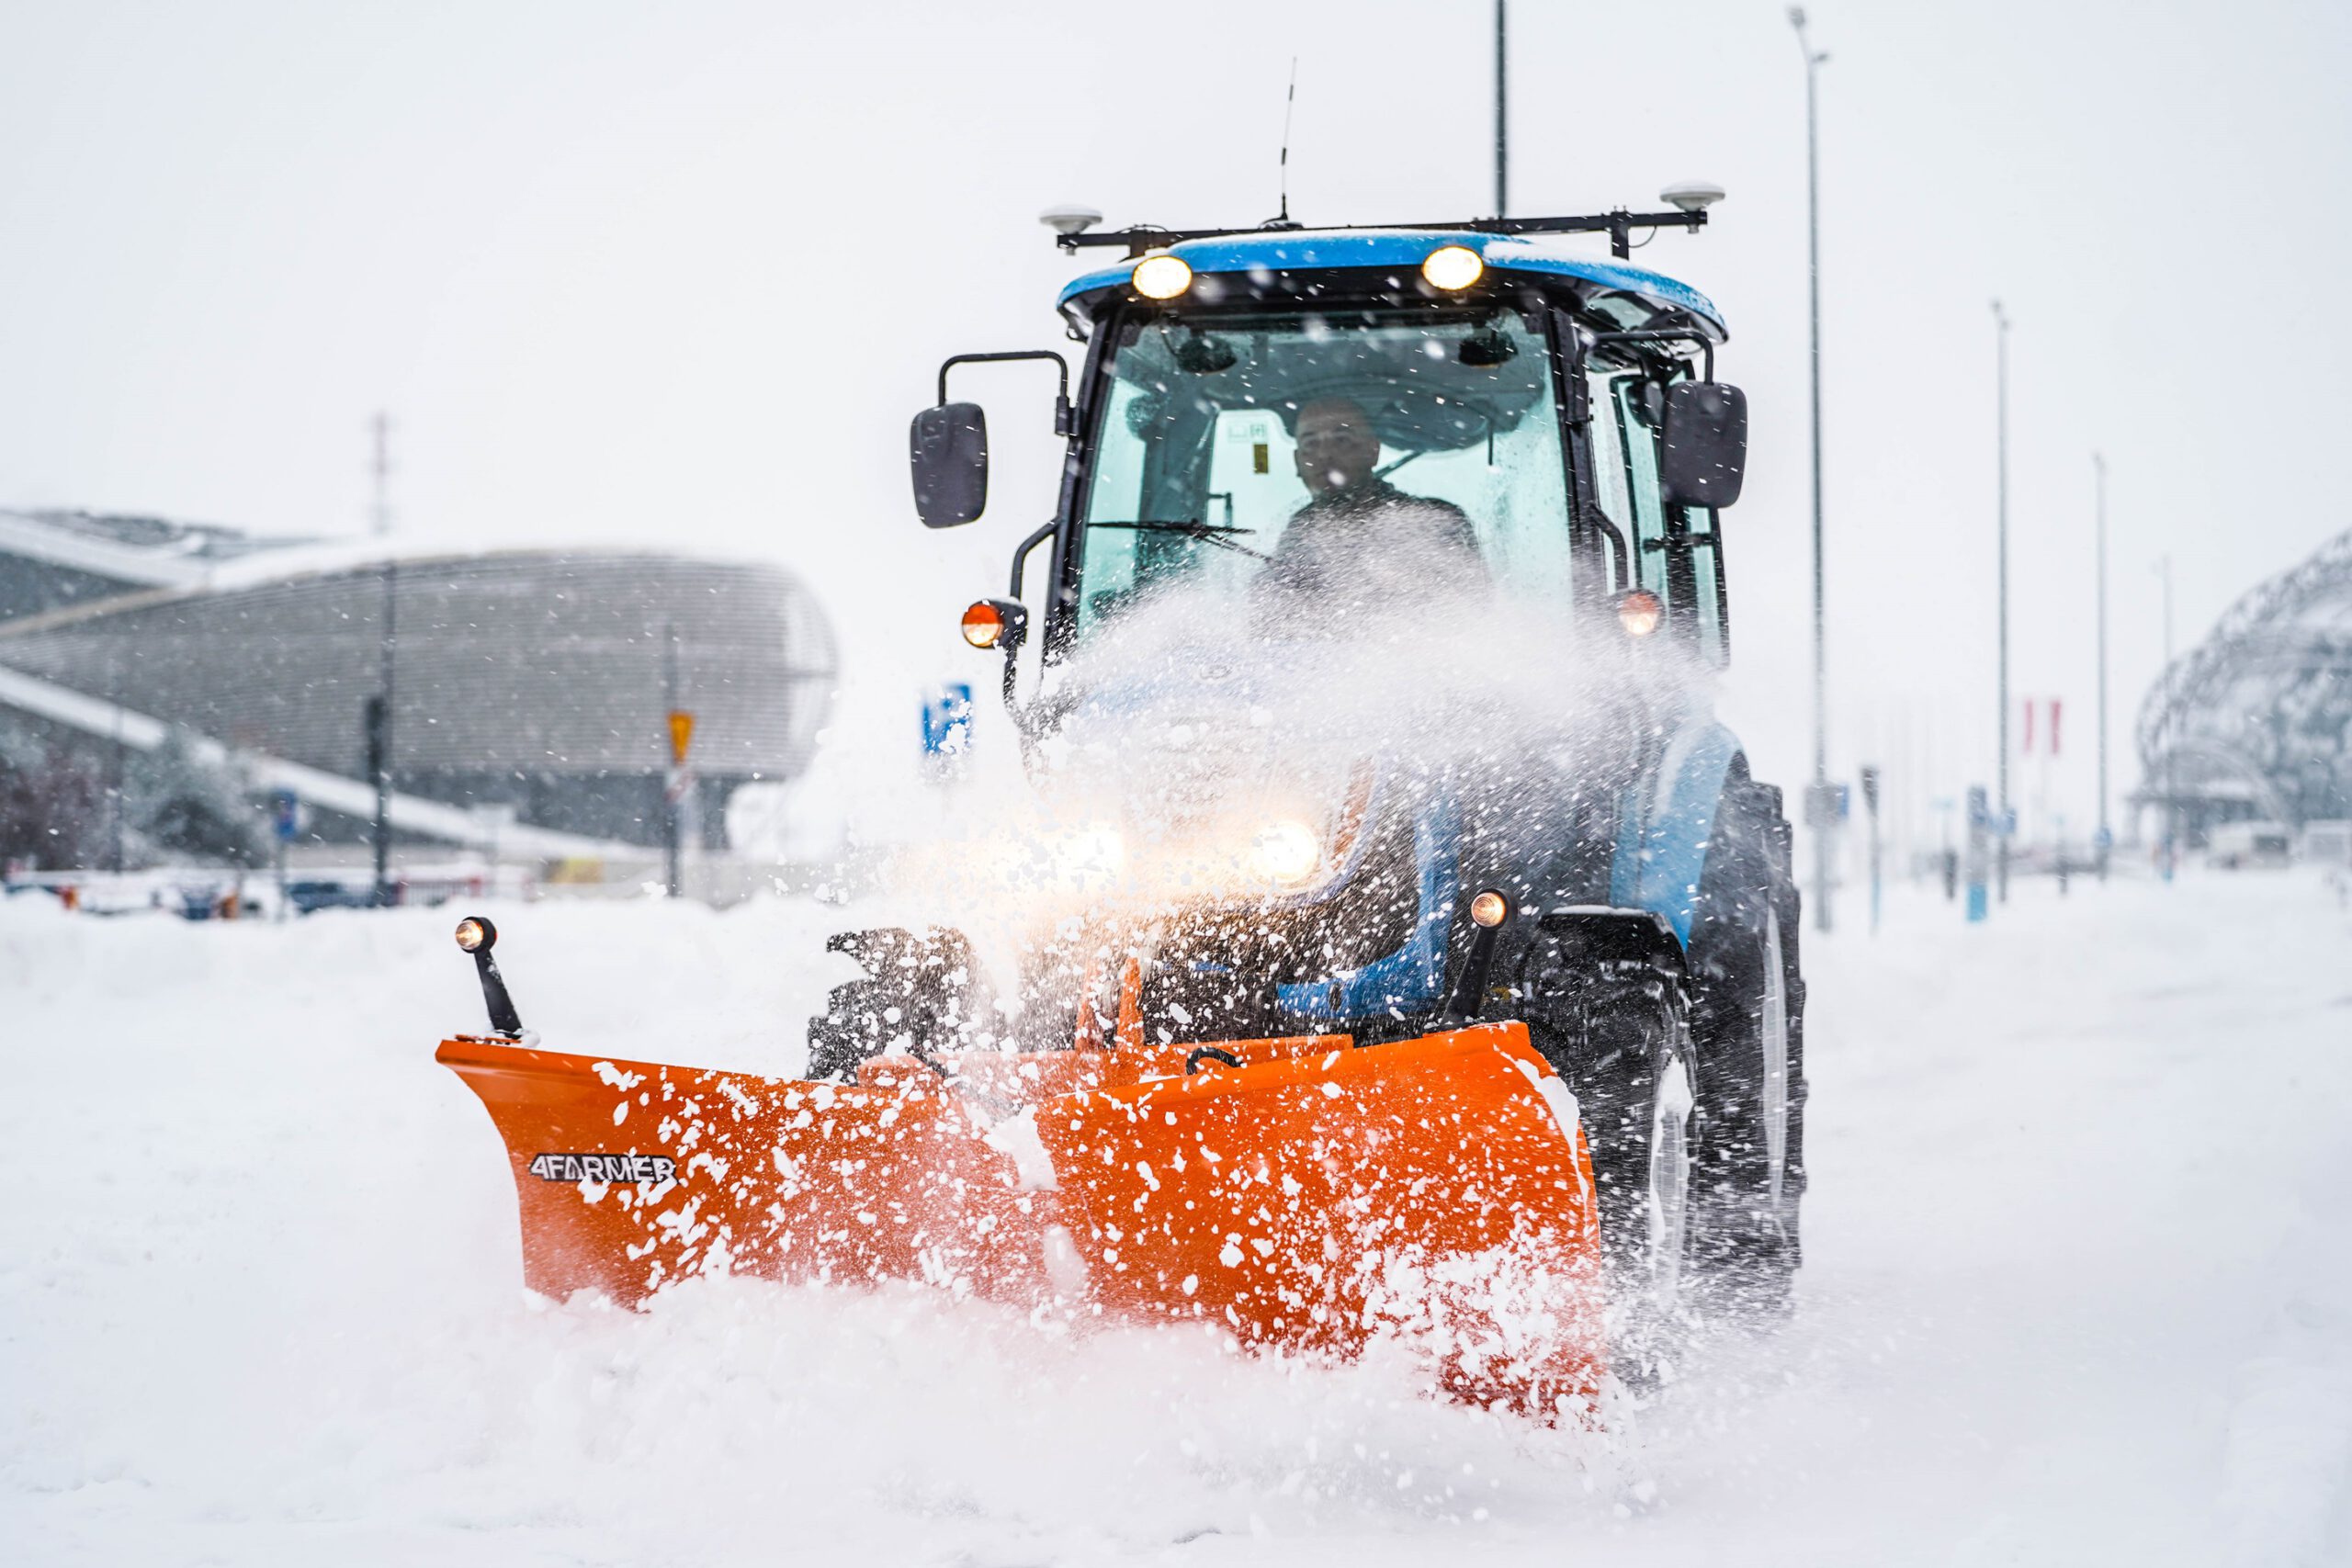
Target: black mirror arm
1706,345
1065,417
1020,554
1022,551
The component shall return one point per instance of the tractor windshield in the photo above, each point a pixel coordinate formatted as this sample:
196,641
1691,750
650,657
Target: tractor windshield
1310,464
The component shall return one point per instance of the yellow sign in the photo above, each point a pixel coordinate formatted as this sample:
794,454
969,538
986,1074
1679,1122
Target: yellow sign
681,733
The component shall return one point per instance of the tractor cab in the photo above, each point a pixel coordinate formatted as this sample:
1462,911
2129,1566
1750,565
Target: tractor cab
1317,432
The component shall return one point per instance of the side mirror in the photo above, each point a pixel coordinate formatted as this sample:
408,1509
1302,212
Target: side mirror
1706,444
949,445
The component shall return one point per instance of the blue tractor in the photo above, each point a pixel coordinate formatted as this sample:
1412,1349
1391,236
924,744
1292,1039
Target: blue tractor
1370,666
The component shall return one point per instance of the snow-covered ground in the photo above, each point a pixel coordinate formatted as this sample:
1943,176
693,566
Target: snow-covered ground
2078,1287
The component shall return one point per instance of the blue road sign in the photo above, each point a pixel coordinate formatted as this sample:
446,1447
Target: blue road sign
285,815
947,721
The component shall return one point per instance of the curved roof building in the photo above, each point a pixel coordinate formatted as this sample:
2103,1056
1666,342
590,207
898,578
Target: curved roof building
538,680
2256,723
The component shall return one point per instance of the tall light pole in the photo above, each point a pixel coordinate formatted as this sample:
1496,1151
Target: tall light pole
2001,393
1502,119
1818,813
2172,736
2106,837
379,706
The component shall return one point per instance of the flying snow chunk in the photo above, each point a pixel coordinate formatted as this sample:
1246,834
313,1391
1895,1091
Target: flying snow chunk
1016,1138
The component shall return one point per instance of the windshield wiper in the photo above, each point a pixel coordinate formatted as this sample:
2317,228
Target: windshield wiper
1194,528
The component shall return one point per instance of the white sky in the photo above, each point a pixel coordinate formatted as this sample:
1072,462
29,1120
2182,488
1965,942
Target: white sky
683,272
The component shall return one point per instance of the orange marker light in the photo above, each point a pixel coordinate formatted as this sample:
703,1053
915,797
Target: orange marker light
983,625
1639,613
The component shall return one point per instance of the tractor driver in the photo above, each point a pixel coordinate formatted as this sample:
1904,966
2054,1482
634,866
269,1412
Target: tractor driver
1358,536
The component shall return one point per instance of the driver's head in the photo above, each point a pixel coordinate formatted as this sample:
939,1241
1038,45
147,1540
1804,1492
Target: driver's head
1337,446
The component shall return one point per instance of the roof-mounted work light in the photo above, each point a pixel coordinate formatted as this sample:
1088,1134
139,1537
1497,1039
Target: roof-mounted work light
1161,277
1453,267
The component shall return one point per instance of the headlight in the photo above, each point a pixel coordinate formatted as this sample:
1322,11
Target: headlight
1286,851
1090,859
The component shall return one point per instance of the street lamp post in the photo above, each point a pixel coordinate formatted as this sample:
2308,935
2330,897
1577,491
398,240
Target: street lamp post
2172,739
2105,836
379,706
380,730
1818,813
2001,851
1502,119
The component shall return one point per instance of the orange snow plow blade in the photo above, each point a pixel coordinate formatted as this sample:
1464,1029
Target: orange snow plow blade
1435,1192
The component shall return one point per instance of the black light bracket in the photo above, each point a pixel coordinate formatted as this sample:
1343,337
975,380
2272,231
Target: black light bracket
1619,225
478,936
1490,912
1064,419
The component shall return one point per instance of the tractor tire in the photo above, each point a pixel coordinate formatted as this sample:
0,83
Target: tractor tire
1641,1129
1619,1035
1747,1027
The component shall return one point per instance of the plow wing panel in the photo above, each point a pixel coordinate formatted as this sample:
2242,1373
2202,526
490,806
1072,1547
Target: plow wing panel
1435,1192
631,1175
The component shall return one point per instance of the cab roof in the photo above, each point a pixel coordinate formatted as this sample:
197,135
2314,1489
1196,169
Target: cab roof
1305,250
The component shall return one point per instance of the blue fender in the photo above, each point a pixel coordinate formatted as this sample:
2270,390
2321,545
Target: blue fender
1414,976
1664,826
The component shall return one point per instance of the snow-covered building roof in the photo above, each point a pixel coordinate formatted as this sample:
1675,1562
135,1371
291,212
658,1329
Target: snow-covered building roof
539,678
2259,718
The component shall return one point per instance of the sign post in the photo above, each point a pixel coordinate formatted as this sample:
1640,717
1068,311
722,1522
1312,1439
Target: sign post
680,784
285,823
948,731
1870,801
1980,826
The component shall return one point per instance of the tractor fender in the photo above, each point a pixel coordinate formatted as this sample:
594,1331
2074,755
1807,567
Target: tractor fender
1665,824
1607,937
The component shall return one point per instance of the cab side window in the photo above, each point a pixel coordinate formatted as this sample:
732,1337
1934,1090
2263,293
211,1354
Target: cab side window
1674,556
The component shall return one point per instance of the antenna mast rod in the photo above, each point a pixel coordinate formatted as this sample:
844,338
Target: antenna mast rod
1290,101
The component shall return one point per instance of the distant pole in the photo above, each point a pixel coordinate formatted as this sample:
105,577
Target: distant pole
2172,739
2105,835
1979,825
2001,341
1502,118
380,511
116,764
380,708
1870,801
1818,814
673,817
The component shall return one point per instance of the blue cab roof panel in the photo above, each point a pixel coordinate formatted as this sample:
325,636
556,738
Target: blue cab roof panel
1288,250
